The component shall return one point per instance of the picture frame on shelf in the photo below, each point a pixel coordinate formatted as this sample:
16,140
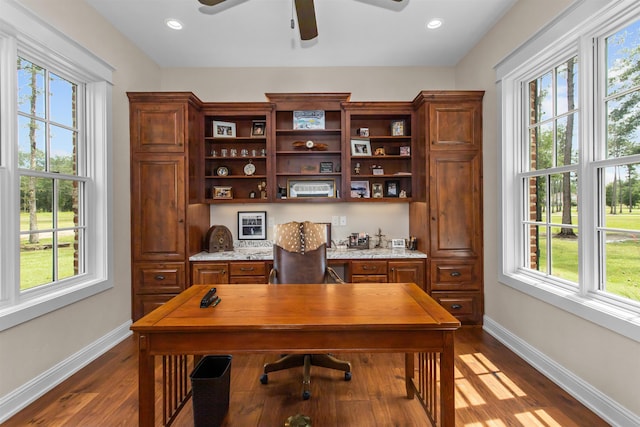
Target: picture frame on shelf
360,190
252,225
363,132
258,128
377,191
405,150
224,129
299,188
222,192
392,188
326,167
397,127
308,119
360,148
310,169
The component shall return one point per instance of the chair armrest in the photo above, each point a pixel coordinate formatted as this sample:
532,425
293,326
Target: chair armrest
272,276
334,276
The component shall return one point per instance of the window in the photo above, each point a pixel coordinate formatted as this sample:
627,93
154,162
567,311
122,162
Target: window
52,179
570,102
55,214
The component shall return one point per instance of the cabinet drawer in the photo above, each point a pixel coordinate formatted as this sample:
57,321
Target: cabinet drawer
159,278
369,267
455,275
247,269
247,279
466,307
369,278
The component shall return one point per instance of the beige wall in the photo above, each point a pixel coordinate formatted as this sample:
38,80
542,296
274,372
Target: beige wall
606,360
29,349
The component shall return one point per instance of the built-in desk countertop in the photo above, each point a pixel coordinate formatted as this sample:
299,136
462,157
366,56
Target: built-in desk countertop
262,253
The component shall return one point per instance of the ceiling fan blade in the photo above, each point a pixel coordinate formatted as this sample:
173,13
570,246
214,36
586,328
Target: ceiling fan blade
211,2
306,19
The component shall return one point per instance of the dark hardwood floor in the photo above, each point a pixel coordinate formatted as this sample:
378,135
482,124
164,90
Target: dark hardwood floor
494,388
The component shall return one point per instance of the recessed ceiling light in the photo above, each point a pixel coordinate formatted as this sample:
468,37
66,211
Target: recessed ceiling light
174,24
434,23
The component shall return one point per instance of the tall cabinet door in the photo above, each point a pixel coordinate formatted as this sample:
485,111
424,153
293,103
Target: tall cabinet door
454,204
158,219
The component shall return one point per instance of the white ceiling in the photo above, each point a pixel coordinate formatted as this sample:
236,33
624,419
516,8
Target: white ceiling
257,33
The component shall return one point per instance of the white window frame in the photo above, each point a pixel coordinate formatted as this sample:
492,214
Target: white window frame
24,34
571,33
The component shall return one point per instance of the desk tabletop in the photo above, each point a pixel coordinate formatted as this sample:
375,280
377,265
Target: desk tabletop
320,307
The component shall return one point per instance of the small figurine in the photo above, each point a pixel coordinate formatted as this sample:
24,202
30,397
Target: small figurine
403,194
356,170
263,189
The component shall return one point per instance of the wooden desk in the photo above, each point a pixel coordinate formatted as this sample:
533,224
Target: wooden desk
318,318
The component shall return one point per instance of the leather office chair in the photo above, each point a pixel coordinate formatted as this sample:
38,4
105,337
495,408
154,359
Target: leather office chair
300,256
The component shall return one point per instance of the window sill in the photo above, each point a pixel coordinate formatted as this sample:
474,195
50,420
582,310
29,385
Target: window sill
593,308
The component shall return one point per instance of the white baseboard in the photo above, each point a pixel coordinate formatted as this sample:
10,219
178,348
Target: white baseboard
29,392
608,409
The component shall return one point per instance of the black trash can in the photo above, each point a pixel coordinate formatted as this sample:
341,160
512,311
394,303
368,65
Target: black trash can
210,382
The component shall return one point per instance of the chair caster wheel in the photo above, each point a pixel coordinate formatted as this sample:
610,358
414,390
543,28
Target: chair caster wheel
306,395
264,378
347,376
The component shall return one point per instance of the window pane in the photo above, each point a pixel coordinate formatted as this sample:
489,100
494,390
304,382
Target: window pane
68,261
623,57
567,140
36,261
537,238
541,147
32,151
564,254
31,89
68,205
540,92
63,101
564,199
622,267
567,86
623,125
537,198
36,205
63,150
622,191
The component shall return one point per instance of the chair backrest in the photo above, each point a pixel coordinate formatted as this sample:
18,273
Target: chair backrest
299,267
299,253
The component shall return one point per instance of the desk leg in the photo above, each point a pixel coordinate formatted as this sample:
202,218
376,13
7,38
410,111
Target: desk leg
447,383
408,374
146,384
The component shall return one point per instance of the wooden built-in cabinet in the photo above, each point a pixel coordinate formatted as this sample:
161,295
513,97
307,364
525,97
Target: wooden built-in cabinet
433,159
167,222
384,271
356,271
448,217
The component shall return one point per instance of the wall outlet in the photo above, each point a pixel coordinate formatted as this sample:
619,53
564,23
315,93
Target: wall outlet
343,220
335,220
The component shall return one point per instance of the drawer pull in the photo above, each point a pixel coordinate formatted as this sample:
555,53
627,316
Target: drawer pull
456,306
455,274
246,268
159,277
366,267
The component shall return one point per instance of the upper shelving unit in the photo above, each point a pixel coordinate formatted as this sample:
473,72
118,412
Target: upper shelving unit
308,144
236,153
379,143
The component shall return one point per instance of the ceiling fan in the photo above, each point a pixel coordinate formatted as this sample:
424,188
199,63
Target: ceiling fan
306,16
